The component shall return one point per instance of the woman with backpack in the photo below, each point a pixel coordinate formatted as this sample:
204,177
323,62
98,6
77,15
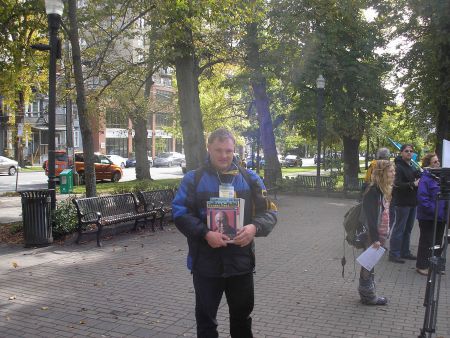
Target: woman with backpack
376,201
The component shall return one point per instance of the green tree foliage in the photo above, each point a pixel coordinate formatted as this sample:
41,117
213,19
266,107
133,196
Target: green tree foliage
425,26
22,69
335,40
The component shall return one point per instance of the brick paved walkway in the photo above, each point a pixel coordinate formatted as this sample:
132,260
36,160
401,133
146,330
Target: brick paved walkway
137,285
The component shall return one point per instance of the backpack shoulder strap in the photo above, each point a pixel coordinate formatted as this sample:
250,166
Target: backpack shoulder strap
198,173
246,176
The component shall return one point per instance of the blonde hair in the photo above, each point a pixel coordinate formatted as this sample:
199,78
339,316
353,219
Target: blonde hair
379,177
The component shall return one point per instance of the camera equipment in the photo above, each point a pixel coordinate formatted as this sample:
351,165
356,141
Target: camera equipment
437,263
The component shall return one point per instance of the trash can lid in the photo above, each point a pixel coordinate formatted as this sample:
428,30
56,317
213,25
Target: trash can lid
66,172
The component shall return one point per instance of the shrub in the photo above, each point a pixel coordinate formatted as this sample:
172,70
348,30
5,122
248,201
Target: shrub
65,218
144,185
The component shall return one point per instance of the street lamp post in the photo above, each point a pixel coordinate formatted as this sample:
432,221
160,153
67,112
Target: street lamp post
320,83
54,10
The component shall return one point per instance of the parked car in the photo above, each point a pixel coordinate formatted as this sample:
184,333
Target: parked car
117,160
8,166
131,162
183,166
105,169
293,161
168,159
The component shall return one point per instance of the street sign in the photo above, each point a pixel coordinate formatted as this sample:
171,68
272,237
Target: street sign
20,129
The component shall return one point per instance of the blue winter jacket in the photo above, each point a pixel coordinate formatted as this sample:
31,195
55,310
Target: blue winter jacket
189,212
426,198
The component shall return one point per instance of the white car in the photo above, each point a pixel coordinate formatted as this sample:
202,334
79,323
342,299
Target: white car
117,160
8,166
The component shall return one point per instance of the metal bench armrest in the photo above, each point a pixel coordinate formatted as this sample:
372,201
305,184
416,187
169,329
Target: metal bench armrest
83,217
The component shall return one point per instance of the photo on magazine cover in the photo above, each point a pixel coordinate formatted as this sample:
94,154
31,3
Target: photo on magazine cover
223,221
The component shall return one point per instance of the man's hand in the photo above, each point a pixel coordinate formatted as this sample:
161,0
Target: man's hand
245,235
216,239
376,245
416,182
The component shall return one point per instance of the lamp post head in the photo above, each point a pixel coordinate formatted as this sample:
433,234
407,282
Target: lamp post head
320,82
54,7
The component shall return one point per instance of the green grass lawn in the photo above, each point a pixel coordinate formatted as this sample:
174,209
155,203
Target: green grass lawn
110,188
31,169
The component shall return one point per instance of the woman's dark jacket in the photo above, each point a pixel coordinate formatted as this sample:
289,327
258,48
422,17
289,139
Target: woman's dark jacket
426,198
373,207
404,193
189,212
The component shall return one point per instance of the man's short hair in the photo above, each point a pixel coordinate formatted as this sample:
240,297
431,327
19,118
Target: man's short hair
403,147
221,134
383,154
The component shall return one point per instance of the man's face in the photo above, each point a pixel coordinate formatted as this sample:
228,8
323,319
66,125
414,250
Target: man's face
221,220
407,154
221,154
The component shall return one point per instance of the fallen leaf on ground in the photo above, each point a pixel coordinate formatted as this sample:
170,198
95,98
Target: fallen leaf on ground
44,308
15,265
12,297
82,322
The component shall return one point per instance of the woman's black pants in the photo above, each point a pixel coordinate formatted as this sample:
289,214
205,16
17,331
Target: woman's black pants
426,242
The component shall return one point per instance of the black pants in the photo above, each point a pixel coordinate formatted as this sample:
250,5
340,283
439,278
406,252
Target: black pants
426,242
240,298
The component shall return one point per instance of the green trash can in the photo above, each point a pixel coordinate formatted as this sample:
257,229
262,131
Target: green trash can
36,216
66,181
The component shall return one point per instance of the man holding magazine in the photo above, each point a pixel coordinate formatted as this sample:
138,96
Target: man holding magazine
218,264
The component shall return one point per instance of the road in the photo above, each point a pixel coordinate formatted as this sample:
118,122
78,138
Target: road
38,180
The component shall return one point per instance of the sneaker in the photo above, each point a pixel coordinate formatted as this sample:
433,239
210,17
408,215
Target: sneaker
376,301
410,256
423,272
395,259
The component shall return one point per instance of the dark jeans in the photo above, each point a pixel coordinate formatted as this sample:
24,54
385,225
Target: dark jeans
401,232
426,242
240,297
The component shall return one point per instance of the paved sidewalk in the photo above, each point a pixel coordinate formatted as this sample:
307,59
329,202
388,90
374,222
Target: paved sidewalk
11,208
137,285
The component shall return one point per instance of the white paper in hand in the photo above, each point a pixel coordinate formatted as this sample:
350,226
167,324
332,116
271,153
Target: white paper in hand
369,258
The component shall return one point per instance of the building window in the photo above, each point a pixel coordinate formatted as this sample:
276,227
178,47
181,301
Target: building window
117,146
162,120
76,139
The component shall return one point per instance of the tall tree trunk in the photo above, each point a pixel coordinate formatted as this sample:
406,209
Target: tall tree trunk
262,103
351,157
189,104
140,132
141,147
20,117
83,116
443,120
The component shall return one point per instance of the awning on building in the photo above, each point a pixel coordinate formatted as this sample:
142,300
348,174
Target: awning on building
57,128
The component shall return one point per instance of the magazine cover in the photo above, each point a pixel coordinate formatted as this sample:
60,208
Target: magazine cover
225,215
223,221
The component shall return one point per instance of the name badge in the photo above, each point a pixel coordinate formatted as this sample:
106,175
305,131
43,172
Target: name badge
226,190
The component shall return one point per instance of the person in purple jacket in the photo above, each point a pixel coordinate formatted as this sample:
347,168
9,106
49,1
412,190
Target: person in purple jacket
426,199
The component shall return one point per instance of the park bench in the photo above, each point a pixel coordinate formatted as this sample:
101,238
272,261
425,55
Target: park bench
309,182
107,210
270,182
158,201
353,184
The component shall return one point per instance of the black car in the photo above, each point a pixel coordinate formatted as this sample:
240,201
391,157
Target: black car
131,162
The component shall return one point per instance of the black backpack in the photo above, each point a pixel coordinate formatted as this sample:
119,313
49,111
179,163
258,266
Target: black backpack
355,230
